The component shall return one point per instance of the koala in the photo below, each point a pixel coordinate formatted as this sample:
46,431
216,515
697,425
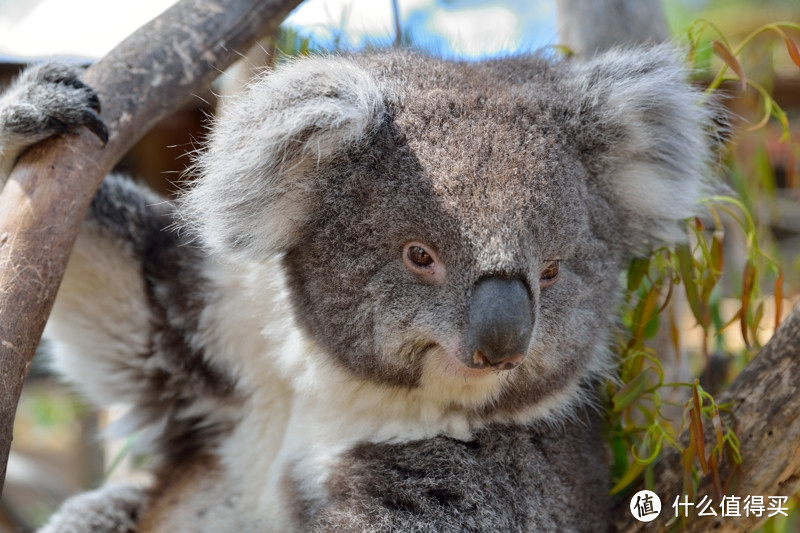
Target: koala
386,300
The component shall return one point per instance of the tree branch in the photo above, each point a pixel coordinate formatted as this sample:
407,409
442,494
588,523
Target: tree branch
766,414
43,204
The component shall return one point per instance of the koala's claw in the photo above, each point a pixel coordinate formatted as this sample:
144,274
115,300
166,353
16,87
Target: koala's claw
89,119
47,100
92,101
95,124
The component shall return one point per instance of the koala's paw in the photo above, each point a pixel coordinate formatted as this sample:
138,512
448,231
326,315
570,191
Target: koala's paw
47,100
113,508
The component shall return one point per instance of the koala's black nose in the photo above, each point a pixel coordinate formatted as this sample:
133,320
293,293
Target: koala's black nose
500,324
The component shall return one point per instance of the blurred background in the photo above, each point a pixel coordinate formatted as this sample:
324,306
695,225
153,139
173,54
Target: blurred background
57,451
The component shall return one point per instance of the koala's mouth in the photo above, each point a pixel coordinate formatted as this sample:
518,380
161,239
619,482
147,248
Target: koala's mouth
454,367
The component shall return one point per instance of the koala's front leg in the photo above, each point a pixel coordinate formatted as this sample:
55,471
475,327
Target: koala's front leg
46,100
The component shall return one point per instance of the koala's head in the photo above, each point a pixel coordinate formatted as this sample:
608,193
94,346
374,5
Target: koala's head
457,226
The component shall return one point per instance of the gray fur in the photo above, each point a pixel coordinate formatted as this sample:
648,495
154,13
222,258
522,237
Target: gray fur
284,305
47,99
508,478
172,371
303,115
114,508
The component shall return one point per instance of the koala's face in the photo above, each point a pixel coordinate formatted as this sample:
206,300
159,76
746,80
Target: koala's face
453,226
462,241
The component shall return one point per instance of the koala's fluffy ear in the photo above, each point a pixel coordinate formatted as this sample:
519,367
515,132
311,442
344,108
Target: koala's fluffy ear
645,138
256,181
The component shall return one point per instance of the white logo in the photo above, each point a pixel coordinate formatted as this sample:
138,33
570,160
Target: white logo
645,506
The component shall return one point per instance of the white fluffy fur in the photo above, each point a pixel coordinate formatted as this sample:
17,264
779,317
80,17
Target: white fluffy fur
660,168
117,321
306,113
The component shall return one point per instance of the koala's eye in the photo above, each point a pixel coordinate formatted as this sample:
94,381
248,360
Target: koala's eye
419,256
549,273
421,259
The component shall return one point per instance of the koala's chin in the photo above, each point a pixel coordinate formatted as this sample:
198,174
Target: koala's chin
446,376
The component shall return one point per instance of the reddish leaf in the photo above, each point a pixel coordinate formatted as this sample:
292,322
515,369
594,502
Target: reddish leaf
698,224
674,335
794,53
717,423
715,479
748,285
727,56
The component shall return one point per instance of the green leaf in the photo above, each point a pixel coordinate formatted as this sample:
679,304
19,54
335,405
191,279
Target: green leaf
639,267
630,392
686,264
652,326
630,476
696,427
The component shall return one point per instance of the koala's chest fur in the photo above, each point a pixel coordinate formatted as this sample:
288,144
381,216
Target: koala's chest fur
306,426
505,478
